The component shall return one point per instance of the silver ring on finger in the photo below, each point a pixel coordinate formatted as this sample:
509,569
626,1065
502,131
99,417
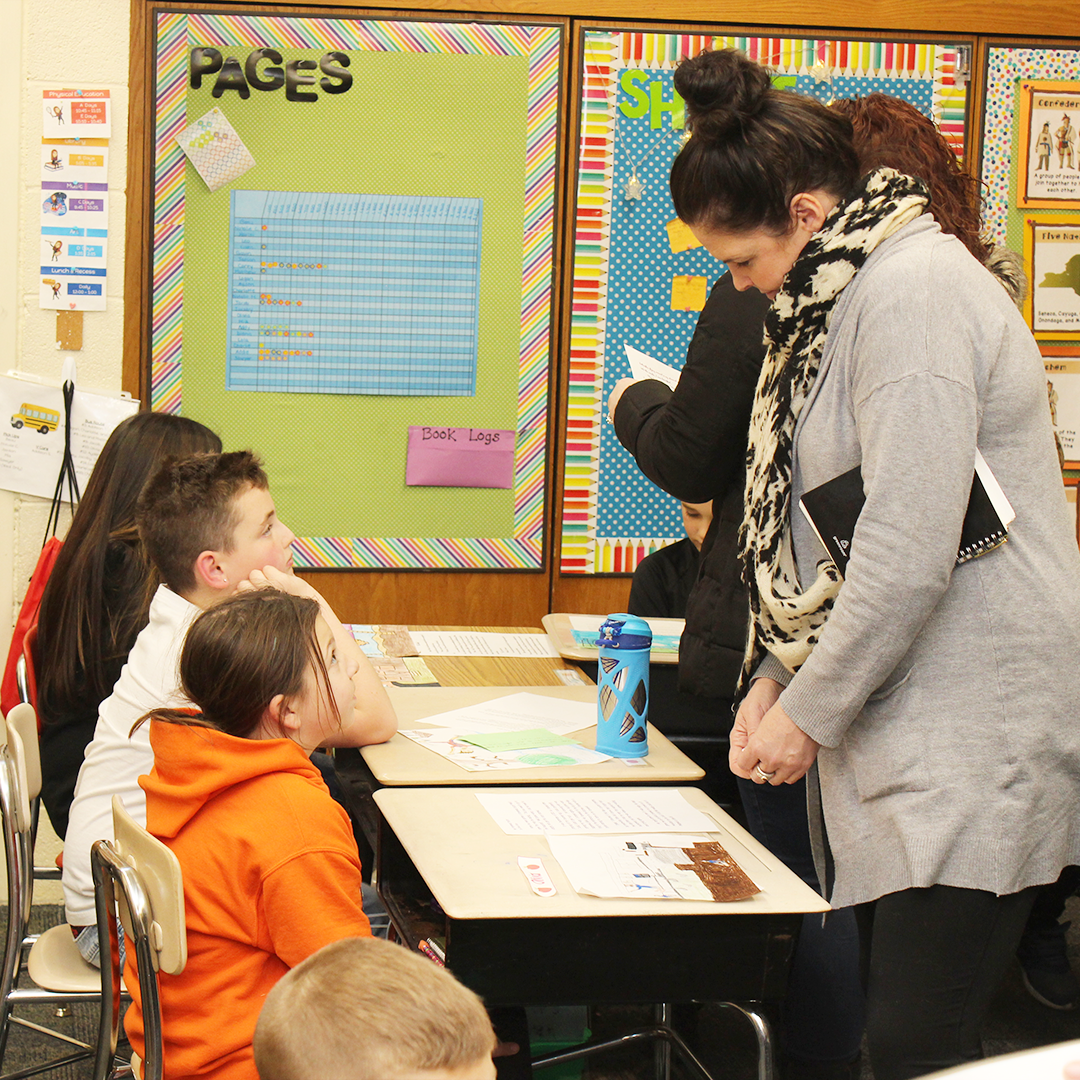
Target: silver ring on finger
762,775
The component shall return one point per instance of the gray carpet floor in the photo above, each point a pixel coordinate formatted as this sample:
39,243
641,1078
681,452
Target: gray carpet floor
723,1041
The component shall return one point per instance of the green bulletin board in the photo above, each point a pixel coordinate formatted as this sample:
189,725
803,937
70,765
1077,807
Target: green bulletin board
462,110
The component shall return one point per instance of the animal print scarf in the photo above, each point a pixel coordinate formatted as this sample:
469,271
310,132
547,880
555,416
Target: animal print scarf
785,618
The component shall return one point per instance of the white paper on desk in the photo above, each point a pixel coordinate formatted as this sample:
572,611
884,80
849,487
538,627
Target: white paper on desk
516,712
643,366
477,759
470,643
645,810
640,866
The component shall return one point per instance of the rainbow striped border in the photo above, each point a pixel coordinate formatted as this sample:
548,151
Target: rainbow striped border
606,53
176,34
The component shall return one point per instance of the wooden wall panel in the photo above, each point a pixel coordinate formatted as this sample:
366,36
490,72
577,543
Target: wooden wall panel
432,598
522,598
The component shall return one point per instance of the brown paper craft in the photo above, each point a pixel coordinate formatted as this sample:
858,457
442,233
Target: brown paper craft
722,875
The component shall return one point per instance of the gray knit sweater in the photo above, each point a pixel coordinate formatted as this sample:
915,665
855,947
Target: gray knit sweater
944,698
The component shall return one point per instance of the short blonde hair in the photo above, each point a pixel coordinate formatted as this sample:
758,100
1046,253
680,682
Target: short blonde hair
365,1009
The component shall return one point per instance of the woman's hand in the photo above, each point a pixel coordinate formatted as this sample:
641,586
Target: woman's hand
774,752
760,698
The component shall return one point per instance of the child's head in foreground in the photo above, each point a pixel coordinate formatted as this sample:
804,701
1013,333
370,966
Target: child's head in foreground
365,1009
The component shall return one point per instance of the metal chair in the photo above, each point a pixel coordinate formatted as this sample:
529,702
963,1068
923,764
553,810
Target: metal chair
26,679
26,668
60,975
137,878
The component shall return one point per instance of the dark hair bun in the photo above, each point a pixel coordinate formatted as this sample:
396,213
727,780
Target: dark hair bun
722,90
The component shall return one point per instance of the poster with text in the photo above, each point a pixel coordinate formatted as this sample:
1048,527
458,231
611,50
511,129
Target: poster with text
1062,366
1052,254
76,114
1050,117
74,224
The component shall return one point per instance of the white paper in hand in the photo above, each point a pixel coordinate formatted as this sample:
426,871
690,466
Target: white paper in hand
643,366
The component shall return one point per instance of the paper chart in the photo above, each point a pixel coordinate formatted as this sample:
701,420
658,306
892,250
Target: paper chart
353,294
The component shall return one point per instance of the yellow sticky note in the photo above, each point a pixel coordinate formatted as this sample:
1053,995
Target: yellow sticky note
688,293
680,237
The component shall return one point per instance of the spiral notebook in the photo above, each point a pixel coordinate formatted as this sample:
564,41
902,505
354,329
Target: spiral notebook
833,509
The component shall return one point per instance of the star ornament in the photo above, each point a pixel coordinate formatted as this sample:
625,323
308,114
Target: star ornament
633,189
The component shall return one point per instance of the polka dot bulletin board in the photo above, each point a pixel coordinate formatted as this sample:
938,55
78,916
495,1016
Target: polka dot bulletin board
640,280
1008,70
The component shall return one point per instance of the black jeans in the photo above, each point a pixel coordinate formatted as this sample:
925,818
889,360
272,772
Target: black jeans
933,959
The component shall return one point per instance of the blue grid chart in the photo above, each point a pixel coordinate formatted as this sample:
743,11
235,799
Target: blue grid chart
353,294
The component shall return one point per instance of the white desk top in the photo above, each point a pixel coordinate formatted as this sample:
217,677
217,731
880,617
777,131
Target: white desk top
470,864
402,762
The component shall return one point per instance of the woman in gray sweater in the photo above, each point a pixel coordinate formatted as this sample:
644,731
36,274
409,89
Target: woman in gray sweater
935,699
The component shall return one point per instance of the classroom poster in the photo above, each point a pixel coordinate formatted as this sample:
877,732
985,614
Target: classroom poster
74,224
1062,365
76,114
640,277
32,427
1052,247
374,153
1050,113
1018,81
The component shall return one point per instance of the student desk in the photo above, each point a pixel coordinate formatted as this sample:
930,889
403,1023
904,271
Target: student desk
501,670
513,947
404,762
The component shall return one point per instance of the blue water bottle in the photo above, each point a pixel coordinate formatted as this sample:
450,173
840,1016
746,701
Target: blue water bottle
623,693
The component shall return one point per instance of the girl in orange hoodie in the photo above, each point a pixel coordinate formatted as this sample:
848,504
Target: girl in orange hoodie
270,868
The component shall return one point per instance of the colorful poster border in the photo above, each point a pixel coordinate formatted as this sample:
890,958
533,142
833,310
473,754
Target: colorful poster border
939,68
176,33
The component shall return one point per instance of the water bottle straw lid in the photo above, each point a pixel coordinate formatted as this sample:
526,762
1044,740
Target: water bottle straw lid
623,631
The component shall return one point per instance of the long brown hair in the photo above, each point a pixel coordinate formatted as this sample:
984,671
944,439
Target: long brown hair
96,600
240,654
890,131
753,147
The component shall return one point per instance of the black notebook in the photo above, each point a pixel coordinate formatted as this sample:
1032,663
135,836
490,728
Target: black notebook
833,508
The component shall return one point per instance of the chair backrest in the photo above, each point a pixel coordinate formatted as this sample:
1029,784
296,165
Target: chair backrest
159,872
136,878
23,719
19,760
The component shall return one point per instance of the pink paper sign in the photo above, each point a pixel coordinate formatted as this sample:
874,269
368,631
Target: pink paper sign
460,457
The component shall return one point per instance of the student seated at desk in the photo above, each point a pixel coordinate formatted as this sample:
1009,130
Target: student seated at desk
209,524
662,581
96,599
660,589
270,869
363,1009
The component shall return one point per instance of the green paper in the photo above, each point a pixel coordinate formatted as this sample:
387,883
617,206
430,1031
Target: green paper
546,759
516,740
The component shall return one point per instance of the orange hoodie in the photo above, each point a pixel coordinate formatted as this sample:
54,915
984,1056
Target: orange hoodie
271,875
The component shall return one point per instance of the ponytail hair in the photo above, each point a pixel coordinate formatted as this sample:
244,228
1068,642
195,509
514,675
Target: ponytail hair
240,654
753,147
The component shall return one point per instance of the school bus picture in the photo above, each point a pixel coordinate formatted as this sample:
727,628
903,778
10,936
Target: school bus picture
35,416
